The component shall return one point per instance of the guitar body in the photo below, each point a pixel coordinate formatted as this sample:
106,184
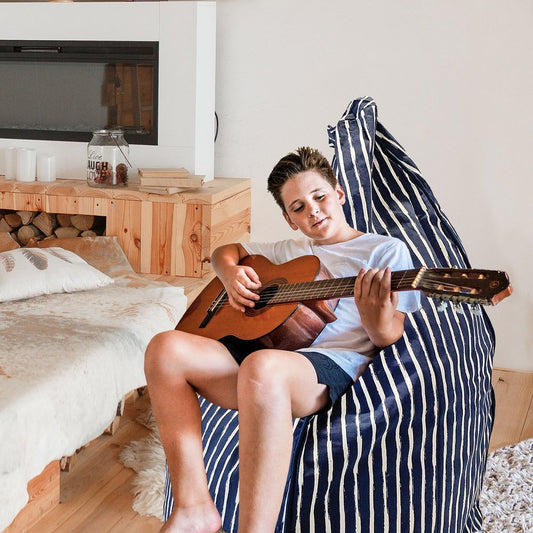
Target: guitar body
284,326
297,300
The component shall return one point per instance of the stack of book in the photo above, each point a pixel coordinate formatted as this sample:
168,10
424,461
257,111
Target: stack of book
168,180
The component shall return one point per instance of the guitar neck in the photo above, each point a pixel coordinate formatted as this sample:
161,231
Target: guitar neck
326,289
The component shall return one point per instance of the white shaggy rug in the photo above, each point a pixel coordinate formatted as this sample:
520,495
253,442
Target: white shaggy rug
506,499
147,458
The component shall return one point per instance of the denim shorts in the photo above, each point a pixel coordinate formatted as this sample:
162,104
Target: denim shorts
327,371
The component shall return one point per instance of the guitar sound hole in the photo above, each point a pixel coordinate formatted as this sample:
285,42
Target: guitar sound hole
267,293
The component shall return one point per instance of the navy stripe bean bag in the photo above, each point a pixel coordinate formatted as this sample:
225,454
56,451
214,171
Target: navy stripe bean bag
405,449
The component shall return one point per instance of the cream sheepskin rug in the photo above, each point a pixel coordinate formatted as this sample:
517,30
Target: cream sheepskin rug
506,499
147,458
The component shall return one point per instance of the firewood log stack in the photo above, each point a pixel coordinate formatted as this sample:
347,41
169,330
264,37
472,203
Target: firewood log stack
27,227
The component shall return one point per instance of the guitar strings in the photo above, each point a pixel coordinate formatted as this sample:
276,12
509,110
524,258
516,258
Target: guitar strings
315,290
339,287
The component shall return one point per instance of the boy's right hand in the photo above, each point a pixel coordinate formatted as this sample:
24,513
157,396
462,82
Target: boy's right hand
240,281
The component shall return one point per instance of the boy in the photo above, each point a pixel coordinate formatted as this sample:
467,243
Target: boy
270,387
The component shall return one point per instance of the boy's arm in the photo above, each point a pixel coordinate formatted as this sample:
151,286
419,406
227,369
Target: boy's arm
377,307
238,280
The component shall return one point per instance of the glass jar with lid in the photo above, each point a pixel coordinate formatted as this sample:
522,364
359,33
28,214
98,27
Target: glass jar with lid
107,159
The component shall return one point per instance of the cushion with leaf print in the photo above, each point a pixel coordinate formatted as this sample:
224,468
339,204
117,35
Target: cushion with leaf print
29,272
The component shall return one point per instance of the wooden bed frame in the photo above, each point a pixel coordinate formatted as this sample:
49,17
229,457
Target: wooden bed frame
44,489
165,237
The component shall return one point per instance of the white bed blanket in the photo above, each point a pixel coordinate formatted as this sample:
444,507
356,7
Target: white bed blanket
66,360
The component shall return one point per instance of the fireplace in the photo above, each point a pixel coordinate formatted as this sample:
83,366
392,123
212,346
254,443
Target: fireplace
179,36
65,90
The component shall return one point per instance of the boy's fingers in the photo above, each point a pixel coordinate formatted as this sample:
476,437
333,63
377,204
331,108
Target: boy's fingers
244,296
235,304
369,282
385,282
394,299
243,284
254,278
241,303
250,279
357,289
374,282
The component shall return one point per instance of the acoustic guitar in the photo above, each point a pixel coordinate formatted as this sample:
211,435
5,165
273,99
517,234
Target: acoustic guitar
298,298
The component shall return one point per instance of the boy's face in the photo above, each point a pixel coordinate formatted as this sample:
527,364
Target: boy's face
314,207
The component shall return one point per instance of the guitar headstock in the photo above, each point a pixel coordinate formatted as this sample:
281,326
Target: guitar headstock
488,287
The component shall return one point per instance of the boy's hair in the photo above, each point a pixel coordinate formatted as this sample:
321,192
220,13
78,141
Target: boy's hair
302,159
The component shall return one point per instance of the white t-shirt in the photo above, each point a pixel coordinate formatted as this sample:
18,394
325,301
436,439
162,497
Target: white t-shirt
345,341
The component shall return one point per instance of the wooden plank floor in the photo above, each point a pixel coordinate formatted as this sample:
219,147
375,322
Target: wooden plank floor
514,407
96,494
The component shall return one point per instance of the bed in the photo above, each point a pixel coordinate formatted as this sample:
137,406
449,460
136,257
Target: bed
68,358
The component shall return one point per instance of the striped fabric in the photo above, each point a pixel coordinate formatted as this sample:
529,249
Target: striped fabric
405,449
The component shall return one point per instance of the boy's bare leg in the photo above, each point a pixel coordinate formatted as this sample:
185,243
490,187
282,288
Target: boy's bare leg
273,387
177,364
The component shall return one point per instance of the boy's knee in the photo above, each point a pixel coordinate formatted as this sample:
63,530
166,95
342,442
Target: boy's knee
261,372
157,344
160,350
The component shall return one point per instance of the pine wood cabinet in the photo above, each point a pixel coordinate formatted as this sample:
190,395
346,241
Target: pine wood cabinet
160,234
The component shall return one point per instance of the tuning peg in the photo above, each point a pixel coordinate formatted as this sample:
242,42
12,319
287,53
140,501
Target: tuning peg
442,306
476,309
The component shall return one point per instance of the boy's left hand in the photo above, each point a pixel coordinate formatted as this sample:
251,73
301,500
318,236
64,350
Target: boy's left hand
377,306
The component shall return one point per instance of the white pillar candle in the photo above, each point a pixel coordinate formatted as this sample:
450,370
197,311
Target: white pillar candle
10,163
26,162
46,168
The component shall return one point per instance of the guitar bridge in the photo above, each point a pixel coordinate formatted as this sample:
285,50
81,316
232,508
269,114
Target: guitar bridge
218,302
206,319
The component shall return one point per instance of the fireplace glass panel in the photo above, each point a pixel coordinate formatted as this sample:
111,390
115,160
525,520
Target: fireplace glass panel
65,91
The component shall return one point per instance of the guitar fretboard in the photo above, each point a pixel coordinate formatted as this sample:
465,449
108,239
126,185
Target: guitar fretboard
331,288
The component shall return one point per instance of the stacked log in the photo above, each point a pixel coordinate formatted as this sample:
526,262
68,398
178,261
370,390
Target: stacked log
27,227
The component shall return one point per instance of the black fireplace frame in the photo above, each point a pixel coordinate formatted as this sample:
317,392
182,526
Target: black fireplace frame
129,52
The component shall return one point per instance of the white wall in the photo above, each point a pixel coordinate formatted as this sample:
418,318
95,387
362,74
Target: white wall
453,83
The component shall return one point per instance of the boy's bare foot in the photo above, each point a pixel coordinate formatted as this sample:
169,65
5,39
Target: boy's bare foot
201,518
